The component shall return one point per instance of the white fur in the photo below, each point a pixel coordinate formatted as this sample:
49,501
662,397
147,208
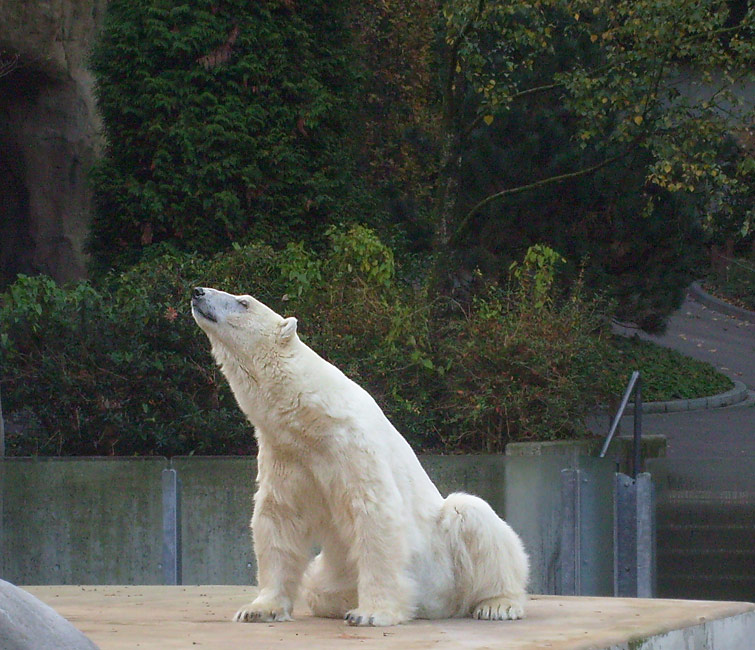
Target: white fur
333,473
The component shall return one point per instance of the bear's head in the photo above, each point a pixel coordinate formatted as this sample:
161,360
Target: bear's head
240,325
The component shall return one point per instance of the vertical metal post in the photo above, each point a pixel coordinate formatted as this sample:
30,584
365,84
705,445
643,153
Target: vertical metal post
570,557
2,428
637,460
171,494
634,550
646,541
625,536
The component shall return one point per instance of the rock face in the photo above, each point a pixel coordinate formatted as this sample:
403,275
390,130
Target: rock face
26,623
49,136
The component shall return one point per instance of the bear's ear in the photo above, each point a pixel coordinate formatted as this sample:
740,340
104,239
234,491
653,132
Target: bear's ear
287,329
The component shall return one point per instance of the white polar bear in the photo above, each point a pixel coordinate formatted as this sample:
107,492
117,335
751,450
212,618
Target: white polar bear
334,473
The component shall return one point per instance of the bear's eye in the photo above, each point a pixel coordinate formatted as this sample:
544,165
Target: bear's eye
244,303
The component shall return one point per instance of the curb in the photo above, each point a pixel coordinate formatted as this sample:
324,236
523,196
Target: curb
698,294
731,397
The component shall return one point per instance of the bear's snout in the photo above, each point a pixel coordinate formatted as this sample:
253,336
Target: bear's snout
200,305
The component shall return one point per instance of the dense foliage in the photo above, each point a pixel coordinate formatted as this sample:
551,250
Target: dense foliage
615,132
620,116
467,133
464,128
122,368
224,121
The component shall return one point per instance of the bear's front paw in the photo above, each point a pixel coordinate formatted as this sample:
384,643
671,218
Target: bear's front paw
263,612
498,609
375,618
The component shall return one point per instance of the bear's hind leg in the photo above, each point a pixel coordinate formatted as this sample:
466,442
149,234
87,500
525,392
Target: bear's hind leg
490,564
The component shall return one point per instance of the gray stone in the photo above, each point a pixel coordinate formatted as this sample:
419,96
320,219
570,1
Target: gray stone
26,623
50,134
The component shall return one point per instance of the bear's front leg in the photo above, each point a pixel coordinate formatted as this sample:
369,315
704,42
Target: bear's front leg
385,591
281,547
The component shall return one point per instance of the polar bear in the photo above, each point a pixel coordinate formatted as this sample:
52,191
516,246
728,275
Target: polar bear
335,475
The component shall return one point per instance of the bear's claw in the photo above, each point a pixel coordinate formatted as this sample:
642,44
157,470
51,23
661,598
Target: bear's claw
254,614
498,609
373,619
356,619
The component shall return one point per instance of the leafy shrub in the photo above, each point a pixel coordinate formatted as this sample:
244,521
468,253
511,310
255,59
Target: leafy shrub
357,315
524,361
121,368
224,122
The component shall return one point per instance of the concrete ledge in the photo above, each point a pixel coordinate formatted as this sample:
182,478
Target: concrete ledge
731,397
571,451
165,618
698,294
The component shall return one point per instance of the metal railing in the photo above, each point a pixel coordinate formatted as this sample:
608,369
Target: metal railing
634,510
635,384
2,428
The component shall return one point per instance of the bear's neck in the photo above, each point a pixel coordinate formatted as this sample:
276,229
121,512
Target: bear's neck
254,381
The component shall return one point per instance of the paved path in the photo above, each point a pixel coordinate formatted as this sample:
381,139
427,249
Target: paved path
699,332
729,344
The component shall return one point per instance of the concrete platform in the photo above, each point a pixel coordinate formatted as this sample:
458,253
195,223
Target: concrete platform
165,618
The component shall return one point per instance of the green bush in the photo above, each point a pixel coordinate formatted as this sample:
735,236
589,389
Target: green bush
121,367
224,122
525,361
357,315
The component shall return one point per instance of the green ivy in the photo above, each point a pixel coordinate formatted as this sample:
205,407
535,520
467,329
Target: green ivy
224,122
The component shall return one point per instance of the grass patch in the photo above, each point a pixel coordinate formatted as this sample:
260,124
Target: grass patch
666,374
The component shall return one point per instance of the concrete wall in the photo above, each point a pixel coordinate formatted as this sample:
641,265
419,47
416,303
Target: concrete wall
81,521
99,521
216,507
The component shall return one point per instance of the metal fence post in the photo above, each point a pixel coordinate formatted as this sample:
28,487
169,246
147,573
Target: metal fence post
171,495
2,428
570,559
625,537
646,541
634,535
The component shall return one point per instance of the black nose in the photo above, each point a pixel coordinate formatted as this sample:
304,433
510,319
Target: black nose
198,292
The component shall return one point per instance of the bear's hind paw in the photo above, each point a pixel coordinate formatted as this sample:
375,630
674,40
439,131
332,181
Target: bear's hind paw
376,619
499,608
261,613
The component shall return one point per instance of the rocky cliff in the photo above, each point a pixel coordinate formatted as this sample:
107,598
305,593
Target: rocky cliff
49,135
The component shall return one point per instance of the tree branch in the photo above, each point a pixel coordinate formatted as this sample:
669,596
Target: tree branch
453,58
537,184
8,64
